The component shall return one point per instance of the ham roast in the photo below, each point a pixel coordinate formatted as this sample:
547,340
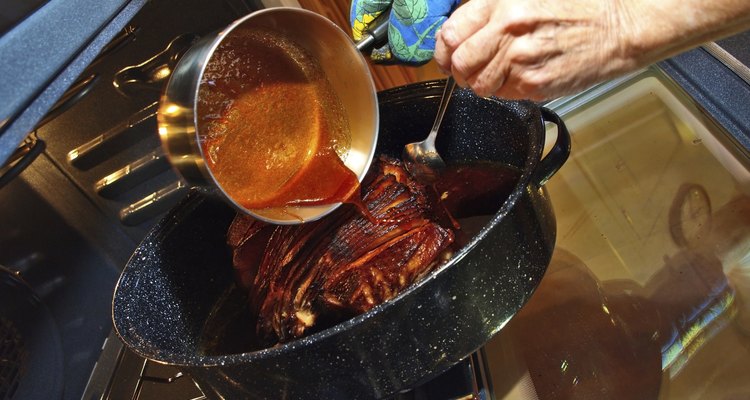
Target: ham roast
307,277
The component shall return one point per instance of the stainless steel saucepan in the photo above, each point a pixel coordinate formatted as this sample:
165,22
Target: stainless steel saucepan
343,64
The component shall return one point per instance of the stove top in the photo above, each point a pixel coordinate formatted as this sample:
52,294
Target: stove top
99,186
135,378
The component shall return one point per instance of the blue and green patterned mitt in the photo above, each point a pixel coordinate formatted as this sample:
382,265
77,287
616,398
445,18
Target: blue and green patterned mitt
411,31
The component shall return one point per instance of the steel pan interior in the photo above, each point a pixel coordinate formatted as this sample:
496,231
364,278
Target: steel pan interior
344,66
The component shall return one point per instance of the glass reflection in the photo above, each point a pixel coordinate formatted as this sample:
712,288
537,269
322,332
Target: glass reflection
647,293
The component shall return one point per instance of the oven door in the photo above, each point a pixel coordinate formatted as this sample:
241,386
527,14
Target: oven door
648,292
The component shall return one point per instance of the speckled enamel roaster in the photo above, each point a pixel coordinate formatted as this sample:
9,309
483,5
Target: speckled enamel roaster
183,267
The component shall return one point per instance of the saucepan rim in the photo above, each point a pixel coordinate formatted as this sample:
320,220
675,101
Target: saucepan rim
209,46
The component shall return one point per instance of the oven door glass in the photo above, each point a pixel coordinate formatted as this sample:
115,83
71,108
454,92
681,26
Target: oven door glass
647,294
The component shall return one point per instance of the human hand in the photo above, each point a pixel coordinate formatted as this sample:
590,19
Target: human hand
534,49
411,31
541,49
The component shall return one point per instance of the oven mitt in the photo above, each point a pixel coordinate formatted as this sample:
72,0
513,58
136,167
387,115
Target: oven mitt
411,30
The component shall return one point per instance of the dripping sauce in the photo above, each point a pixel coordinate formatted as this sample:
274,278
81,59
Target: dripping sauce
471,192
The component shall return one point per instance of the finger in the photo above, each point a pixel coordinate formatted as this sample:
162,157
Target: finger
460,80
522,84
442,54
479,60
490,78
503,75
466,20
531,74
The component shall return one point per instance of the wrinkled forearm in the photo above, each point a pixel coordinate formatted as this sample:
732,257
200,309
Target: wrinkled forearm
655,30
540,49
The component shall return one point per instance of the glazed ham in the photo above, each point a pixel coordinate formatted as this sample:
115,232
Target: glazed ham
303,278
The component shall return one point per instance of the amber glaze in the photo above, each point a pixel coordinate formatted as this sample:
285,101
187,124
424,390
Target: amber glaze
273,130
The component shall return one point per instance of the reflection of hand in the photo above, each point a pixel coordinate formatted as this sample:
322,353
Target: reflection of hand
412,27
540,49
605,344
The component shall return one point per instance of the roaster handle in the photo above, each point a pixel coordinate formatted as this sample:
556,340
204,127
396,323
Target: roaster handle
560,151
27,155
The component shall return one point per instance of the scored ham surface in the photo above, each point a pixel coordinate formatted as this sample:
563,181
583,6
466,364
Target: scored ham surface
302,278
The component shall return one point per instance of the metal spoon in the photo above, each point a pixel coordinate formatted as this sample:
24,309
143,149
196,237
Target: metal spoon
421,158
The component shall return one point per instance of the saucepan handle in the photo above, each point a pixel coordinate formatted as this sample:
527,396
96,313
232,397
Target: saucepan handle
556,157
375,34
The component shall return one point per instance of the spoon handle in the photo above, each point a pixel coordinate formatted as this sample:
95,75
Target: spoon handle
450,84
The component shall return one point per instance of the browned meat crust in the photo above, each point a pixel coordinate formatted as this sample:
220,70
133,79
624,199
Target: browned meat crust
302,278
